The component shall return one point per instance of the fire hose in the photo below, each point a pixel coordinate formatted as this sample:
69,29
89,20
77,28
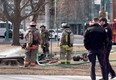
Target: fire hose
72,64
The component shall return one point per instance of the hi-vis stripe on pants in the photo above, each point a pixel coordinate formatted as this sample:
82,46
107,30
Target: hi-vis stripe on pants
65,55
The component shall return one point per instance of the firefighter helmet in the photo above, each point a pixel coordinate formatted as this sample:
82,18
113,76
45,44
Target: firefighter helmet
65,25
33,23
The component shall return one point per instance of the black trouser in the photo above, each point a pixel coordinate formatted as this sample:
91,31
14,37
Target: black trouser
92,57
110,69
45,52
45,49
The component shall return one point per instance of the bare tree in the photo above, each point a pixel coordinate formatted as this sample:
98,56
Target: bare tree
66,10
73,10
39,5
14,14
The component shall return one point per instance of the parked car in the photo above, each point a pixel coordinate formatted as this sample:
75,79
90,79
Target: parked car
21,34
55,34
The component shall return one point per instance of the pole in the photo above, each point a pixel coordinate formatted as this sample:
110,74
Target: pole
103,4
7,39
56,21
47,14
51,46
102,12
7,33
111,10
92,9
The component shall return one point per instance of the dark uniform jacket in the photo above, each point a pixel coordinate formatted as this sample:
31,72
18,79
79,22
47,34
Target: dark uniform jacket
108,32
95,37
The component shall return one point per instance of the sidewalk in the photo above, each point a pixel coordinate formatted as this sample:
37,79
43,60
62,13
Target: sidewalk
78,36
45,77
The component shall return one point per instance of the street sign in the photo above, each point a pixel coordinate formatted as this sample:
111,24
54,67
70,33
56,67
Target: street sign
97,2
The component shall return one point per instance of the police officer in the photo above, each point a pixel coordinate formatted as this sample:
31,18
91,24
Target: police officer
94,40
106,26
45,41
33,40
66,44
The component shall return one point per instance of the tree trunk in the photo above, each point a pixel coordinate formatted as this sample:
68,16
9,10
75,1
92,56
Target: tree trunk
15,38
16,23
13,14
47,14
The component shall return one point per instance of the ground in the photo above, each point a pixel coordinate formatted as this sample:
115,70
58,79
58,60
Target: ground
78,69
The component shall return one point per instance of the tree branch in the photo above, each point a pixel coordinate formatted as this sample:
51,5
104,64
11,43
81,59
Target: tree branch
34,12
4,10
24,5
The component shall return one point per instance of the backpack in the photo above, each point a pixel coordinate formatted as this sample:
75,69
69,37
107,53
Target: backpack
69,39
30,37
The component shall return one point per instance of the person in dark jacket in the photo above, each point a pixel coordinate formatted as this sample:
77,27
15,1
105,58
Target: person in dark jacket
45,42
94,42
106,26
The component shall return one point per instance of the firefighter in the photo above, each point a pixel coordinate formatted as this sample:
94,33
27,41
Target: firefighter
33,39
66,44
45,41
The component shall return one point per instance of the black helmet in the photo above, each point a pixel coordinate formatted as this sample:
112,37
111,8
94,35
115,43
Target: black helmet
65,25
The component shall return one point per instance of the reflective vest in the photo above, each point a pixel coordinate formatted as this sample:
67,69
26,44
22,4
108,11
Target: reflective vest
69,38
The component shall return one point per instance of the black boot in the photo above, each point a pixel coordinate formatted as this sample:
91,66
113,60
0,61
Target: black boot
101,79
113,76
62,62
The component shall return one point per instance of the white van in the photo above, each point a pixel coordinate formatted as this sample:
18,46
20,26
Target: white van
3,25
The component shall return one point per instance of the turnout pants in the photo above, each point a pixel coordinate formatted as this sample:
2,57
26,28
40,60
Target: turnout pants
30,57
65,55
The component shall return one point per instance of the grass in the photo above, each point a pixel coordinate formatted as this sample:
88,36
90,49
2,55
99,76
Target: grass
74,69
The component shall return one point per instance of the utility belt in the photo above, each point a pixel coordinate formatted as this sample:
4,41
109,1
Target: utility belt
25,46
67,47
33,47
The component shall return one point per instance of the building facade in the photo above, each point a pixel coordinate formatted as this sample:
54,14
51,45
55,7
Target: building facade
114,9
74,12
